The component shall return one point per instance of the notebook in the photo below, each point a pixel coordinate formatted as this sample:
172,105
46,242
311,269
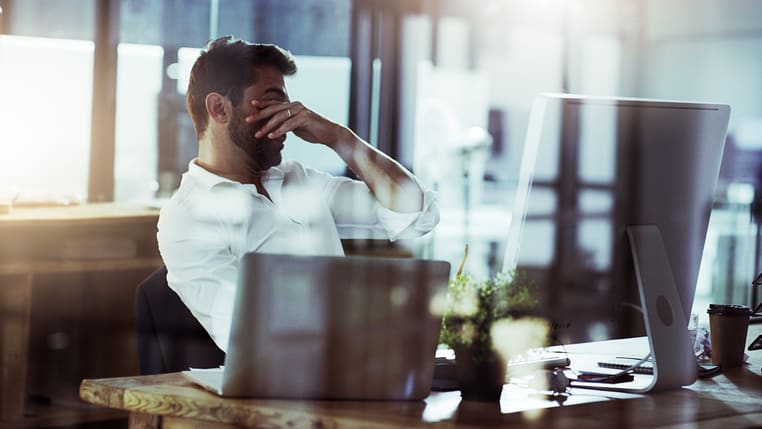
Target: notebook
331,327
625,363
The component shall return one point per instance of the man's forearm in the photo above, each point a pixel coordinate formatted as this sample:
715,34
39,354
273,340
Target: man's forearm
391,183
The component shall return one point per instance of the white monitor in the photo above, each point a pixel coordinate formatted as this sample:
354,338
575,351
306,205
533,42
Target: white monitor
594,167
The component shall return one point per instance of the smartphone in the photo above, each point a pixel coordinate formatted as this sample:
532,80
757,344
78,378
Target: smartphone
597,377
708,370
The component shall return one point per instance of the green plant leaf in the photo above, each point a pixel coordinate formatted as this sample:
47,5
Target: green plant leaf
474,306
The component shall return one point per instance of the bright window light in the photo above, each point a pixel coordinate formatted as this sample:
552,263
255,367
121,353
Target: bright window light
45,116
138,84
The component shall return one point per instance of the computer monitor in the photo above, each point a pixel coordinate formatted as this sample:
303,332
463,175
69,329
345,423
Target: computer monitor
591,168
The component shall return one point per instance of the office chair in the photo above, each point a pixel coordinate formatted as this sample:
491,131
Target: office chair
170,339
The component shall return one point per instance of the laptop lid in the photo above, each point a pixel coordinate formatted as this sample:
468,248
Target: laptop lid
334,327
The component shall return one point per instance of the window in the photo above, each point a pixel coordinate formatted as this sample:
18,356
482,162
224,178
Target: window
139,77
46,71
165,38
46,125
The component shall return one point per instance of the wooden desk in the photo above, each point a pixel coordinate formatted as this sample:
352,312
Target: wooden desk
67,274
728,400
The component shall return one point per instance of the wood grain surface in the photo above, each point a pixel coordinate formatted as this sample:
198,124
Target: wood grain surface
732,399
175,396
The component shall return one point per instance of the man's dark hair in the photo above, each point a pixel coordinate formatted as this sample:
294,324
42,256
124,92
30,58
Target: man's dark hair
228,66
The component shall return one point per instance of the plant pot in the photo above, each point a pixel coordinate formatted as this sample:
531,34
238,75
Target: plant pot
480,375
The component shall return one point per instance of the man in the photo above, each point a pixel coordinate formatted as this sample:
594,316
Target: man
238,196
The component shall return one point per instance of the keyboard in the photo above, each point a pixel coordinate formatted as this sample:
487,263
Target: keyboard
444,371
545,360
620,364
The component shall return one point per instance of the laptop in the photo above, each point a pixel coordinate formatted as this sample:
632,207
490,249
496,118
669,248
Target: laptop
331,327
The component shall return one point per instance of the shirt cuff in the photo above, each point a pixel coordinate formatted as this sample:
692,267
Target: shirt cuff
410,225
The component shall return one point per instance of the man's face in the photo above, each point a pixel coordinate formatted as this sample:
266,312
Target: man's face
263,152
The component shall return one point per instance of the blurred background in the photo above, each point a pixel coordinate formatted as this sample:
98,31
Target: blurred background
444,86
92,104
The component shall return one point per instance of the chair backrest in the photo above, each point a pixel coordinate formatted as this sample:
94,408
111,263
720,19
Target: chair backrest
170,339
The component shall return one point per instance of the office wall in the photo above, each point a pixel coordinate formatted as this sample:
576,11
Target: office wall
711,50
704,50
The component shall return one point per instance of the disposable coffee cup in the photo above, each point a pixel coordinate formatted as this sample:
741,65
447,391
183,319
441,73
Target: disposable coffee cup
728,325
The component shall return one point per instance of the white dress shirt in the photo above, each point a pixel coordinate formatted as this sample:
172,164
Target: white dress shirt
211,221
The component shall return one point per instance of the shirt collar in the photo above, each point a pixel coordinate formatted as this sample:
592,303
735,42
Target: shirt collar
210,180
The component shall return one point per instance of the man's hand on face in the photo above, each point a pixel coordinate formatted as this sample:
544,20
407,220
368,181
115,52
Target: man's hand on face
283,117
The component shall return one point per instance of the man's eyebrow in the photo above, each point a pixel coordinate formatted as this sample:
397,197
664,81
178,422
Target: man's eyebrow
276,91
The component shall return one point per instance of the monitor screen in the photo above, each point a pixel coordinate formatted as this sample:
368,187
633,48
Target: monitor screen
593,166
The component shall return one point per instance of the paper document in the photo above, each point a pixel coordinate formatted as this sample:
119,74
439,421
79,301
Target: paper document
208,378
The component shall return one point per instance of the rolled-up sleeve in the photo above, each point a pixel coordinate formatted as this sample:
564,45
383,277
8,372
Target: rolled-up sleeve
410,225
358,214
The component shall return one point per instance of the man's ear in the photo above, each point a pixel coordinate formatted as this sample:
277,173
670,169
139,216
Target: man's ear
218,107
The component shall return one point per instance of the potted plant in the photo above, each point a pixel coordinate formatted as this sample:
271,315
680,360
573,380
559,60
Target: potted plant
474,312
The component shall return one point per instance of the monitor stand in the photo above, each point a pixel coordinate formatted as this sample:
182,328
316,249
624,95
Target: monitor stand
674,364
673,359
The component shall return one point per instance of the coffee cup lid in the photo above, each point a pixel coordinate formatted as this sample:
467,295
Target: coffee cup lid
729,310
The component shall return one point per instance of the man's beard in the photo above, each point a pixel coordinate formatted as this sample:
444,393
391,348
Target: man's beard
262,152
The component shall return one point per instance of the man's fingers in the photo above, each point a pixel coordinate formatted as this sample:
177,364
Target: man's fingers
271,123
294,123
279,115
264,109
281,118
296,117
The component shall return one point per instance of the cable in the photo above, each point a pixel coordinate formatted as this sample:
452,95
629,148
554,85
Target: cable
633,366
